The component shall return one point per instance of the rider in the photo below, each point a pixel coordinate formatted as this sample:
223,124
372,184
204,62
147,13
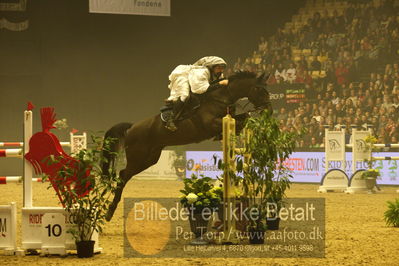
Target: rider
198,78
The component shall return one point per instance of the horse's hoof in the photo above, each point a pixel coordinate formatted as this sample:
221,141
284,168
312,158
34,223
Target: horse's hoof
109,215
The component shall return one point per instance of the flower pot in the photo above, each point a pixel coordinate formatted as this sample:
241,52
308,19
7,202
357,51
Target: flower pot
256,236
273,223
199,226
85,248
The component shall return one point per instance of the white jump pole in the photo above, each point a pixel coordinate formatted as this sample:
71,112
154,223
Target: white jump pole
15,179
21,144
386,158
28,172
11,153
387,145
11,144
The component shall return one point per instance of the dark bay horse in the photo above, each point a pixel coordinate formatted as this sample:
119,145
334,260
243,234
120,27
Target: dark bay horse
144,140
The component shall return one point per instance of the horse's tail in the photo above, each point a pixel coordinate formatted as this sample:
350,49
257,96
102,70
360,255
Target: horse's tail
114,139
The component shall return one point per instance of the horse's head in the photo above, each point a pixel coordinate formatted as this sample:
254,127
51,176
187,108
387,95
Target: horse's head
247,84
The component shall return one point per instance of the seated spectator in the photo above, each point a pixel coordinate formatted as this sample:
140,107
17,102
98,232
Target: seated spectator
348,120
360,97
306,122
330,87
280,74
308,110
353,96
322,120
313,143
339,112
348,106
364,122
331,115
282,115
334,98
382,136
356,122
314,123
358,112
291,73
345,93
339,123
302,64
391,128
375,122
382,111
301,144
302,76
315,65
341,73
316,115
387,102
323,107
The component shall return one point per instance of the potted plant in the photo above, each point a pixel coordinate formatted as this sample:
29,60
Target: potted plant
87,211
391,215
265,177
201,198
370,175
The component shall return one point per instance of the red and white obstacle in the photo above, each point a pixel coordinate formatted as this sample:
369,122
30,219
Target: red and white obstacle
21,144
15,179
34,219
11,153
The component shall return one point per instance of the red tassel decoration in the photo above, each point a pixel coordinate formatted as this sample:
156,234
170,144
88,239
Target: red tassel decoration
48,118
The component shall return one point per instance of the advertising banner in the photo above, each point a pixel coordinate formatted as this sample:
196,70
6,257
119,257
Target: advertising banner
286,95
132,7
164,169
306,167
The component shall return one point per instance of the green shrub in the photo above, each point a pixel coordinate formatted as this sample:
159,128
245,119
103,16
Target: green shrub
391,215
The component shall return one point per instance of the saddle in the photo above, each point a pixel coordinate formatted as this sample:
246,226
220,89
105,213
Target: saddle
181,110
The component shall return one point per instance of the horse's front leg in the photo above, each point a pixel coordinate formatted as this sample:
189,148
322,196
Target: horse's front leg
240,121
216,128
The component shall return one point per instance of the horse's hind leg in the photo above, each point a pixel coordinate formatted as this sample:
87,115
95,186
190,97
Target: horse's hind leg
125,176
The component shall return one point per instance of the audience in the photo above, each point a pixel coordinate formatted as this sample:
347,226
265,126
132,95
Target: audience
346,58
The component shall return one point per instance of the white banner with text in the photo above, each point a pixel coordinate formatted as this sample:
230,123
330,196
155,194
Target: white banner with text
131,7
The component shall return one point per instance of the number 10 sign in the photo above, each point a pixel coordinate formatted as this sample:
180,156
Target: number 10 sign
53,234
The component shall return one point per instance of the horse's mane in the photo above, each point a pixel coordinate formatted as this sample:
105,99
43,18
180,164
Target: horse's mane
242,75
236,76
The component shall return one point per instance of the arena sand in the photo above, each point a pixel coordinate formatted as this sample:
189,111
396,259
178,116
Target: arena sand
356,233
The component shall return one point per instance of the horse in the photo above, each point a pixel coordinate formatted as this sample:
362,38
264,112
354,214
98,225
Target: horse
144,141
